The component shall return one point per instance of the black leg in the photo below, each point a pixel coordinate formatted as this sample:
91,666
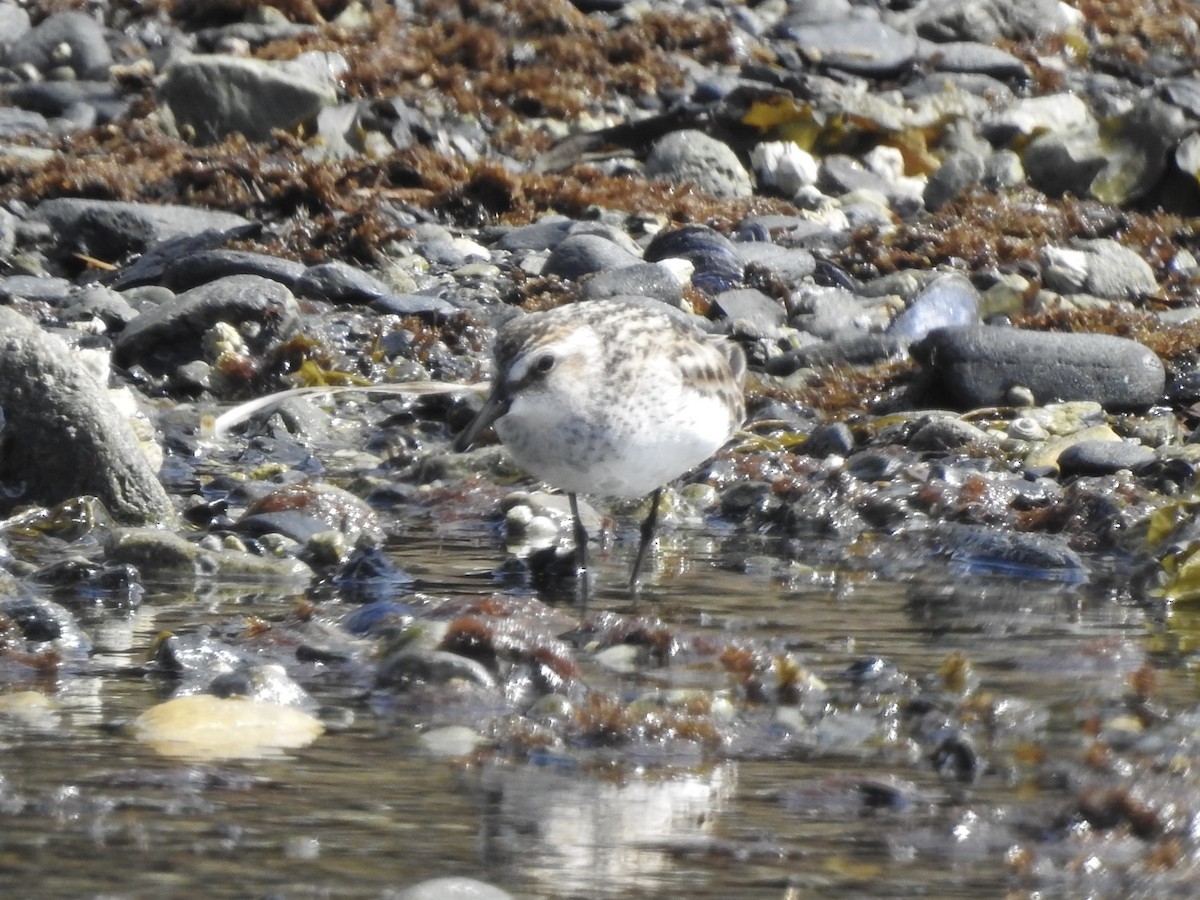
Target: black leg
647,536
580,538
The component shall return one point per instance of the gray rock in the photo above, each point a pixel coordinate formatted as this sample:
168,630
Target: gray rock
1103,457
789,264
841,174
421,305
167,556
957,172
217,95
977,366
1123,164
108,229
1059,113
946,301
941,432
170,334
195,269
71,39
860,46
14,26
970,56
984,20
1002,170
97,302
33,287
410,668
1102,268
339,282
19,122
829,439
8,234
541,235
692,157
150,268
582,254
829,313
751,312
1184,93
63,437
641,279
64,98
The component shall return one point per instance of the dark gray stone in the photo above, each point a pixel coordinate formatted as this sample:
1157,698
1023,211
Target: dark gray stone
19,122
829,439
542,235
61,98
1104,457
583,254
109,229
788,264
339,282
984,20
208,265
638,280
97,302
978,366
167,335
63,437
150,268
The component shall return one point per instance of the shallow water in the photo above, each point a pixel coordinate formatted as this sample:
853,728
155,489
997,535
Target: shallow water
86,811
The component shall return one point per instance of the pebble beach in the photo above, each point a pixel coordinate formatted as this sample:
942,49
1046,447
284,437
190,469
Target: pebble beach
938,593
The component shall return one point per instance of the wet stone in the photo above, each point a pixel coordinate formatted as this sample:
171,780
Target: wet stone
172,332
50,401
833,438
339,282
1104,457
195,269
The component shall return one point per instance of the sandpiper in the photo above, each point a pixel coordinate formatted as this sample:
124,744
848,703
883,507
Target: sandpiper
611,397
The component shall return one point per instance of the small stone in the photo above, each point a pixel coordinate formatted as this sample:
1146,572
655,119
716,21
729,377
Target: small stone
692,157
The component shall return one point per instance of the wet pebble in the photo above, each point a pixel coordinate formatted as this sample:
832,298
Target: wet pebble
1104,457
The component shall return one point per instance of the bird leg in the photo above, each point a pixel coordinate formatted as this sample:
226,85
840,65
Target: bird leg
580,538
648,528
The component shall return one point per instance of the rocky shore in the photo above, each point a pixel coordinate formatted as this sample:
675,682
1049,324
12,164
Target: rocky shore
955,238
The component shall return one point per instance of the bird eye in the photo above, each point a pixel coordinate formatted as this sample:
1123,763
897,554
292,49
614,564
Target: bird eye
544,364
